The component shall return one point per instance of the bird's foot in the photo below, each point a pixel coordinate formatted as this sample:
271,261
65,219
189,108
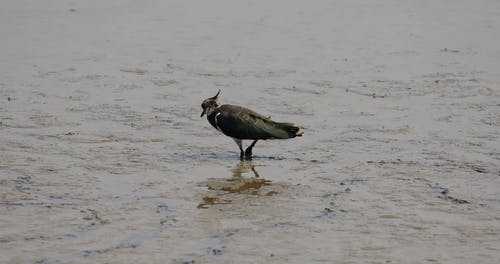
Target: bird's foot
248,151
248,154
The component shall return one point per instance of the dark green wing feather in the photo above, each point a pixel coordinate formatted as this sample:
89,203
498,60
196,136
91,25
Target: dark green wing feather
243,123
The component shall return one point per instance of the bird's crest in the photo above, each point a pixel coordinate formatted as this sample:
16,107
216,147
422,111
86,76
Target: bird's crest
210,104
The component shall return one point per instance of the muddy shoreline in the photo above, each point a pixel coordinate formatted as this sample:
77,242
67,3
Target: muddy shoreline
104,158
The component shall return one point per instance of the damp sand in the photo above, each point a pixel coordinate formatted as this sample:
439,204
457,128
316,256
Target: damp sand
104,158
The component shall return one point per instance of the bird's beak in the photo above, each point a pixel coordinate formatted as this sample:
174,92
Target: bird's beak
203,113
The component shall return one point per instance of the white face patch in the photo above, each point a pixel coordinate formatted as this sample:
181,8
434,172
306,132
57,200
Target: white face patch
210,110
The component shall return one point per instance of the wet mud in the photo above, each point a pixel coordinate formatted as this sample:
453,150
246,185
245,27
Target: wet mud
104,158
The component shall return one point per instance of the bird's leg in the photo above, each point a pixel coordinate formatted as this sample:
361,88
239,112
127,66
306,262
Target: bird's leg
240,145
248,151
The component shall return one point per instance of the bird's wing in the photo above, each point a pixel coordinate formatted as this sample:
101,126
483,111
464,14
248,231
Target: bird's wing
242,123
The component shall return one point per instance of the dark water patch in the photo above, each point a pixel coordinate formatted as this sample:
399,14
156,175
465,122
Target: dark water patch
372,95
394,162
286,224
217,244
473,166
88,253
37,204
443,192
454,84
131,242
164,82
137,71
171,67
167,219
94,216
351,181
17,180
23,184
183,261
284,158
162,211
480,168
450,50
162,208
234,156
210,156
454,200
41,237
216,251
272,158
331,209
320,161
305,90
45,261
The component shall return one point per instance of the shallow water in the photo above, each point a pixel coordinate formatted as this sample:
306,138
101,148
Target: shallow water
104,159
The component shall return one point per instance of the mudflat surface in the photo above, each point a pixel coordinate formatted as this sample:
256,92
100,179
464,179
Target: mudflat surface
104,158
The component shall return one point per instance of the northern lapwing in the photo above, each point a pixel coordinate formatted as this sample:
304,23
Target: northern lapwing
241,123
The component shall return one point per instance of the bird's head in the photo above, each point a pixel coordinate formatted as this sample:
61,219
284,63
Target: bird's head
210,104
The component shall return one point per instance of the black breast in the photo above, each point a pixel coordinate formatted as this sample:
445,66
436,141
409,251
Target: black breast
211,119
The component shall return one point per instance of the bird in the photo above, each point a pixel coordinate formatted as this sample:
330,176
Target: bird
241,123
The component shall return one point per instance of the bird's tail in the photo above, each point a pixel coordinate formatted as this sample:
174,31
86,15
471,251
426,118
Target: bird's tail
289,129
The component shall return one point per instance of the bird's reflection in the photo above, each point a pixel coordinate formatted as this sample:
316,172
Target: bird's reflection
222,190
244,167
